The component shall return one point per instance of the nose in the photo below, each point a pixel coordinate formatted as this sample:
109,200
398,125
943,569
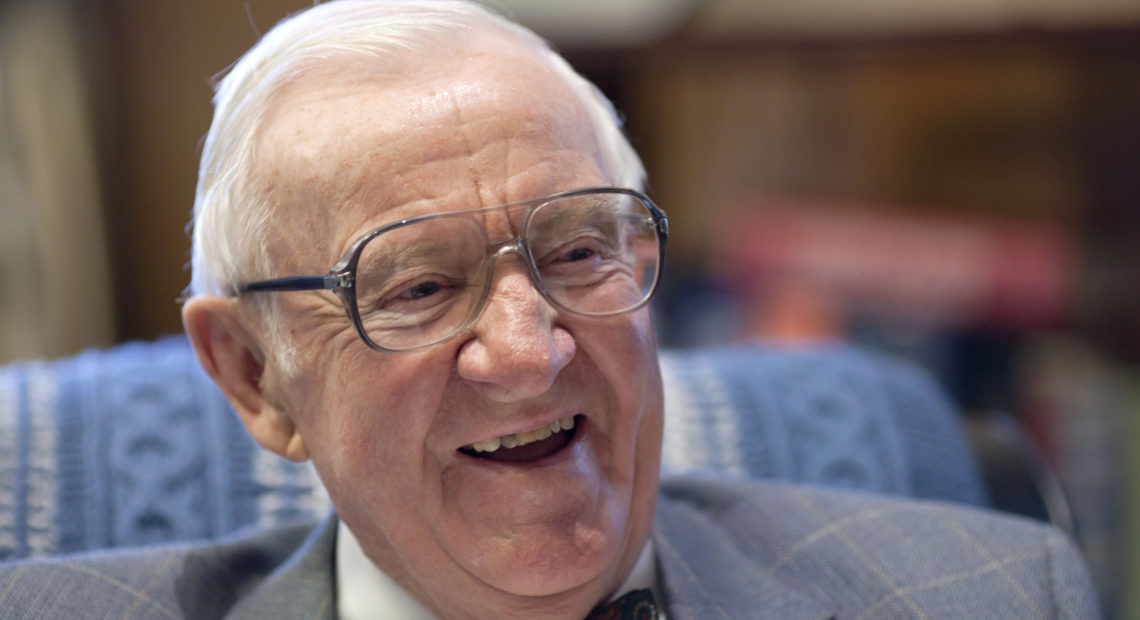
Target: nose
517,349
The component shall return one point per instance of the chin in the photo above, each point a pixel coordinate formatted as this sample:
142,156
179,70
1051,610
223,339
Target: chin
578,562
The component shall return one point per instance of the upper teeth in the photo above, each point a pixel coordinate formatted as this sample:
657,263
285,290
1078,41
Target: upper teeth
521,439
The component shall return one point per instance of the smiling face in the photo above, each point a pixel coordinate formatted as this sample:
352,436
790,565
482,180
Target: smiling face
402,441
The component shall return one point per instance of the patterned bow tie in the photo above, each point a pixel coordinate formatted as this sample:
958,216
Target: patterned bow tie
633,605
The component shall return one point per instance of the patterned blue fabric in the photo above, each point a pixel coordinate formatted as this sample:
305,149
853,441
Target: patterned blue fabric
835,416
135,445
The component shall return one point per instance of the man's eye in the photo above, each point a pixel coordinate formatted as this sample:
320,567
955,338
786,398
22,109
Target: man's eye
413,294
421,290
578,254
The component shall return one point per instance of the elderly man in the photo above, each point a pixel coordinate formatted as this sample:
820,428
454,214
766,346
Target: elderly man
417,265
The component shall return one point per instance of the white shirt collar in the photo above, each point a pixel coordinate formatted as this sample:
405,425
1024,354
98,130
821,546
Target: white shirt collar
364,592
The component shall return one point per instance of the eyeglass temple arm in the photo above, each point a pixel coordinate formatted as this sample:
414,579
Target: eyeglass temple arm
303,283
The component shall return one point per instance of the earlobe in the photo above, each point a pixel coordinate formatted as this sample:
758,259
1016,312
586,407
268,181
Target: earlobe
230,351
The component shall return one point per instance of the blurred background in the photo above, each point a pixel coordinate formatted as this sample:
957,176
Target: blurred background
954,181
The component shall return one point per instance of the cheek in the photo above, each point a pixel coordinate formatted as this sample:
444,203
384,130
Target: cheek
628,338
625,354
367,427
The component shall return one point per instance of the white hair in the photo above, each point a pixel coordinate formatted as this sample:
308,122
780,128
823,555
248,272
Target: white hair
230,216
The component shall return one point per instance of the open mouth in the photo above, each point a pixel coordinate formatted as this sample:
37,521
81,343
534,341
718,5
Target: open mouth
527,446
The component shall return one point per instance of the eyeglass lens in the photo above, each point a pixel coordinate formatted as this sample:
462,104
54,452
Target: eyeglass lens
593,254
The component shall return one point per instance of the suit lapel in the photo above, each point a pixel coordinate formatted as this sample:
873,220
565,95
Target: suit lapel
301,588
704,576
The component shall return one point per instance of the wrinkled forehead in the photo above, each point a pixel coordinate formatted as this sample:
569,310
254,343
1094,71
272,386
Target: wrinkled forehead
350,147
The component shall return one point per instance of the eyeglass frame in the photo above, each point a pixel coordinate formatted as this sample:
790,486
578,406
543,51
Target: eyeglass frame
341,277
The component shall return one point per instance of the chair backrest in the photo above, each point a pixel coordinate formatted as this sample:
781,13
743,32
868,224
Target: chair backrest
135,445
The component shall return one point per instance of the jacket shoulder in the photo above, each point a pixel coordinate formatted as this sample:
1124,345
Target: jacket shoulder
875,556
178,581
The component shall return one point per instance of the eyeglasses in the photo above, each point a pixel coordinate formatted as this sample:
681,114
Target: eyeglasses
415,283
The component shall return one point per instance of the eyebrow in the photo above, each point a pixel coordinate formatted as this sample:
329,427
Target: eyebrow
390,256
592,212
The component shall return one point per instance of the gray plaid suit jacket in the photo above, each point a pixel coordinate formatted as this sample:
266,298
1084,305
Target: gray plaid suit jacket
725,550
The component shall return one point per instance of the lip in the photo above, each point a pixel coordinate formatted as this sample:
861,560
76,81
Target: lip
582,428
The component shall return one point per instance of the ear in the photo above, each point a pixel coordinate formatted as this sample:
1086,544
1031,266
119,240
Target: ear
229,348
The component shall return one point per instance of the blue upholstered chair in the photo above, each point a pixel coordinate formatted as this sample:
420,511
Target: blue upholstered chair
135,445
